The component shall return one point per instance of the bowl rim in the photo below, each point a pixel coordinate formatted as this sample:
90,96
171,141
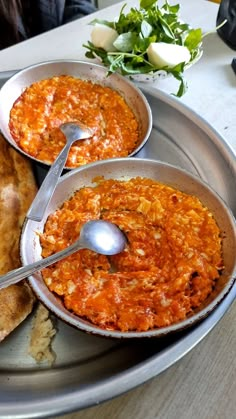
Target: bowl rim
87,326
115,76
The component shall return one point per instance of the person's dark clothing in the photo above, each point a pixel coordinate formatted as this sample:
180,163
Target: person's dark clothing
39,16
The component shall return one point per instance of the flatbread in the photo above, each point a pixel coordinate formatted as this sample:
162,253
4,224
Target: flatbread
17,191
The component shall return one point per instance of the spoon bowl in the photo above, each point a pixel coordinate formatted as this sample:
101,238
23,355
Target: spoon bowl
100,236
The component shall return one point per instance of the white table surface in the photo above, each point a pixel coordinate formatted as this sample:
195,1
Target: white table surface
202,385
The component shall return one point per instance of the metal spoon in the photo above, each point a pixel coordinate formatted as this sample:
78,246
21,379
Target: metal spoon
100,236
73,131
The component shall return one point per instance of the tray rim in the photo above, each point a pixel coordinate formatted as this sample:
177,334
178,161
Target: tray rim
109,389
223,145
142,372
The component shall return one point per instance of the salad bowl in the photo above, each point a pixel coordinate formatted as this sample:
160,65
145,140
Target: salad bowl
146,43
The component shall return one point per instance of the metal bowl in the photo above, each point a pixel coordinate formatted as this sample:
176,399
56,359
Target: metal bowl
14,87
129,168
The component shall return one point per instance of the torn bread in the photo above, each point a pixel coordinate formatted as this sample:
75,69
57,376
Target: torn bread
17,191
42,333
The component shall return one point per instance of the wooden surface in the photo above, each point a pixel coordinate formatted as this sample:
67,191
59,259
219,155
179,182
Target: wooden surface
202,385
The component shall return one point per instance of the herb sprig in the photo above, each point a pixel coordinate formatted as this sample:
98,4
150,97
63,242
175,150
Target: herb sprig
137,30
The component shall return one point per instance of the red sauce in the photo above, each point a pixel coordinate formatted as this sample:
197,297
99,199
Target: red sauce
169,268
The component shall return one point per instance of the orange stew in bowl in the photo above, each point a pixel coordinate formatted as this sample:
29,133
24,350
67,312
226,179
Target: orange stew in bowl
170,266
37,114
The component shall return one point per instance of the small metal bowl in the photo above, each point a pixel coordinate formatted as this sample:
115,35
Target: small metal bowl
14,87
129,168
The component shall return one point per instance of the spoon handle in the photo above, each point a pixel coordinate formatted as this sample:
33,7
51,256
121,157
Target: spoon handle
17,275
41,201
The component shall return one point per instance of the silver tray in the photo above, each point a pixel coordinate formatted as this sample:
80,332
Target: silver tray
91,369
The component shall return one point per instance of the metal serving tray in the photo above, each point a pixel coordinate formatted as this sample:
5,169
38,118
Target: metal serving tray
92,369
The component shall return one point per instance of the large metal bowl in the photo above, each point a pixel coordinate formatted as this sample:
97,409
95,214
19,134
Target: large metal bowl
14,87
129,168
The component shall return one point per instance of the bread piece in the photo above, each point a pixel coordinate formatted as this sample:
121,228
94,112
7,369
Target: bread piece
17,191
41,336
16,302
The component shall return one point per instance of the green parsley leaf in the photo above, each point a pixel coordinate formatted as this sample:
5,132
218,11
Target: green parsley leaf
193,39
146,4
146,29
125,42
